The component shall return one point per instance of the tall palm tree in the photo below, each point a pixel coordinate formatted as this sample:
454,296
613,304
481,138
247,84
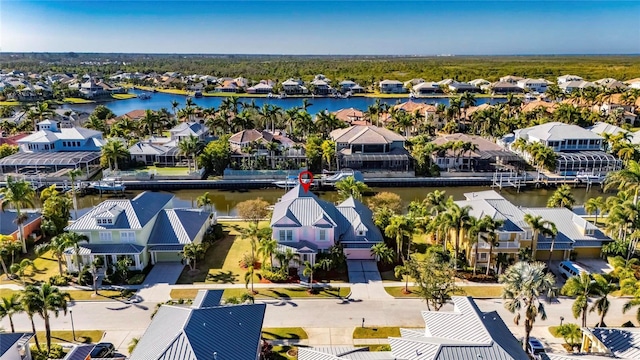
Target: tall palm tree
190,147
602,303
46,300
382,253
459,220
73,175
19,195
582,287
59,244
114,150
349,186
174,106
9,306
625,179
491,227
39,112
537,224
150,121
251,233
594,206
562,197
524,285
267,247
309,270
399,228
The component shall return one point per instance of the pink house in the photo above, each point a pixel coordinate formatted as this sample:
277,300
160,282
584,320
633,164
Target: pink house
308,225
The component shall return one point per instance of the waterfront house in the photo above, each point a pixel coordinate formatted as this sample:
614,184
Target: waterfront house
206,330
511,79
428,112
15,346
426,88
501,88
462,87
391,87
146,229
535,85
602,128
321,87
294,87
228,86
569,86
487,155
31,224
51,138
568,78
481,83
466,333
371,149
352,116
254,144
350,86
165,150
260,88
413,82
308,225
578,150
612,84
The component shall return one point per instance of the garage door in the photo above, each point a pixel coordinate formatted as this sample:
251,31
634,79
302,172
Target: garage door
358,254
168,257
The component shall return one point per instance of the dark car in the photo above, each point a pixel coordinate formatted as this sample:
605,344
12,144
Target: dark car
103,350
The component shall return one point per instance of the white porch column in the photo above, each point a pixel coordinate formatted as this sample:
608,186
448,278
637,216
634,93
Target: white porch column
137,260
153,257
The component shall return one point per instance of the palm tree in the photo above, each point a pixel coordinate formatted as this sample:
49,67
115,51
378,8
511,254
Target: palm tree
204,201
550,230
114,150
20,268
190,147
382,253
562,197
602,304
149,121
39,112
632,303
74,174
192,252
524,284
46,300
252,233
18,194
400,228
582,287
57,246
308,270
403,271
491,226
349,187
6,248
459,220
594,206
267,247
537,224
174,106
625,179
9,306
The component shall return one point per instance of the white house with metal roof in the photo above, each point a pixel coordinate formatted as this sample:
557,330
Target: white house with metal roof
466,333
146,229
51,137
308,225
206,330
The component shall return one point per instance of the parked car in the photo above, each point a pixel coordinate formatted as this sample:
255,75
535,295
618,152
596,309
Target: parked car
569,268
535,348
103,350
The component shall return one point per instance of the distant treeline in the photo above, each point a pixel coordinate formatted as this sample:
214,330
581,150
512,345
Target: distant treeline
364,69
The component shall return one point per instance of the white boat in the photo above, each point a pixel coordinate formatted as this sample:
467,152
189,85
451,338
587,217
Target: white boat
109,184
342,174
585,177
144,96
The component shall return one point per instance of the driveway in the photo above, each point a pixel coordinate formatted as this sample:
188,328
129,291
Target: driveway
363,271
163,273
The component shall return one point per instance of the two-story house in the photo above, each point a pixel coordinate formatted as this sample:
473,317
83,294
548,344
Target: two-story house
51,137
535,85
165,150
350,86
294,87
146,229
308,225
392,87
252,143
370,148
578,150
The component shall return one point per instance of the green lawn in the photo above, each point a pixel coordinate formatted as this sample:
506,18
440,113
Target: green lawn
168,171
479,292
87,336
282,353
9,103
44,267
77,101
123,96
553,330
269,293
77,295
292,333
381,332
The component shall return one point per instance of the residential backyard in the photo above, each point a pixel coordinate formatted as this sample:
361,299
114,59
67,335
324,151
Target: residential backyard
221,263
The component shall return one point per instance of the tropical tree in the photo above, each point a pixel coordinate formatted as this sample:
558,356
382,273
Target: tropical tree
631,304
192,252
8,247
594,206
434,280
204,201
31,306
524,285
253,210
190,147
19,195
328,152
537,224
9,306
602,303
251,233
571,334
46,300
458,220
267,247
73,174
582,287
57,245
20,268
382,253
113,151
349,187
627,179
562,197
400,228
385,199
404,271
309,270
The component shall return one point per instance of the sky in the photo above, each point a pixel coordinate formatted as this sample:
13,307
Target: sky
348,27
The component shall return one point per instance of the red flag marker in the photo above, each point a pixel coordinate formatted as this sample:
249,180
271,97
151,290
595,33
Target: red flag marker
305,182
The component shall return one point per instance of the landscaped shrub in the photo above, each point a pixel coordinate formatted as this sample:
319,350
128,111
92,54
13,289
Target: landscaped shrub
274,275
213,233
136,279
85,278
57,352
247,260
58,280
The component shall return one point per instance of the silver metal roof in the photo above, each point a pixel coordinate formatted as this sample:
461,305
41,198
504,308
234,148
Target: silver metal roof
50,158
623,343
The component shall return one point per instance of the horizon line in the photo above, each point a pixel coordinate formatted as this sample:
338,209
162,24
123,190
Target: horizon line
320,55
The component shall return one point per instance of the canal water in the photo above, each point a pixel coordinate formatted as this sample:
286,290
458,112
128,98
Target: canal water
225,201
164,100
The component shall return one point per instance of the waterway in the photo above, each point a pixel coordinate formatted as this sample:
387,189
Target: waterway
225,201
164,100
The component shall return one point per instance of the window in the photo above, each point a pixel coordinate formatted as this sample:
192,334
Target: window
360,233
483,256
127,236
105,236
286,235
322,235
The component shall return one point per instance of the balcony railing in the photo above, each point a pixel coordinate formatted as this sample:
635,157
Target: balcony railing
501,245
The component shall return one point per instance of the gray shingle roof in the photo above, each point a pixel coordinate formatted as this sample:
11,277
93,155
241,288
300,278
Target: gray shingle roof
182,333
135,215
177,226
